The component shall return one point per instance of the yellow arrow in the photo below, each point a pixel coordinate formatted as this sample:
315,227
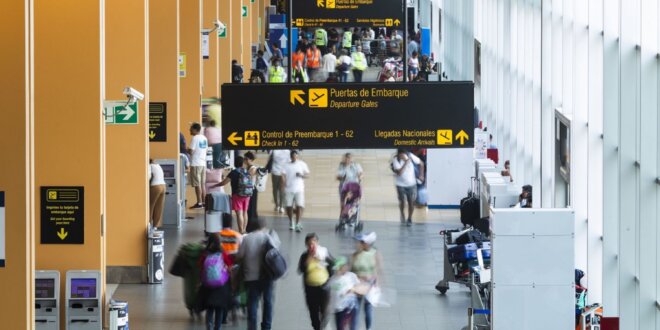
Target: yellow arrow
62,234
319,3
296,96
397,22
233,138
152,135
462,136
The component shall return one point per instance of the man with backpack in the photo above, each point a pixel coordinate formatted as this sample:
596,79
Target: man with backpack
409,171
261,265
242,188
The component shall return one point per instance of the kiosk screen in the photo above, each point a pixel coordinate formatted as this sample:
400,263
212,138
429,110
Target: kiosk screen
44,288
83,288
168,170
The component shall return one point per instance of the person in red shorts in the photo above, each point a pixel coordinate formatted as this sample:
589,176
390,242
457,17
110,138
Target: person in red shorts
242,188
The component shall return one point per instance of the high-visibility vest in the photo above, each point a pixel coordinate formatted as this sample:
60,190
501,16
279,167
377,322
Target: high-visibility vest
302,72
276,74
313,58
296,58
359,61
348,39
229,240
321,37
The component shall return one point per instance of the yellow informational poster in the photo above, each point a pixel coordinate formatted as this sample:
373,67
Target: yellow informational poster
182,65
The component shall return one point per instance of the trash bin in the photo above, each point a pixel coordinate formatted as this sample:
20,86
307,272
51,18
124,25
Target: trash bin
118,315
156,266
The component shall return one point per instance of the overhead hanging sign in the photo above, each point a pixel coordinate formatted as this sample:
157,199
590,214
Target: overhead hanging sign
352,13
2,229
157,122
62,215
348,116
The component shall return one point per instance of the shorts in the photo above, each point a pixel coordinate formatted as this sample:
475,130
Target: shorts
240,203
414,71
297,198
406,193
197,176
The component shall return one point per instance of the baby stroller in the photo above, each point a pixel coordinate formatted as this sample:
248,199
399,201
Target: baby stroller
349,217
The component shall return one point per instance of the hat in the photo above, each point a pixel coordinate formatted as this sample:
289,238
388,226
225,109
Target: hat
339,262
367,238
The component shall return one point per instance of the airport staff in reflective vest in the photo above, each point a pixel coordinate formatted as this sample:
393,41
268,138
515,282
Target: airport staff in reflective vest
347,40
313,61
276,73
321,40
359,64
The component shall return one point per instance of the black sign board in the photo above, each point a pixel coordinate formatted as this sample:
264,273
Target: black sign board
157,122
62,215
348,116
347,13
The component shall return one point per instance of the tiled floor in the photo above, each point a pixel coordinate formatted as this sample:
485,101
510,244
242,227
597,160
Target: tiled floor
412,257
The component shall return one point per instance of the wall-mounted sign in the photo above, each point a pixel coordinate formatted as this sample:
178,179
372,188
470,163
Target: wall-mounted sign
157,122
205,46
182,65
62,215
348,116
342,13
118,112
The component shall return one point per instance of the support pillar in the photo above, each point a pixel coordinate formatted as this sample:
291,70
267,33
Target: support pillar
127,147
69,129
16,186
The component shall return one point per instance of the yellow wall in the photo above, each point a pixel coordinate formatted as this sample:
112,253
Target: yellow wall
236,32
246,22
127,148
225,44
69,132
211,67
190,12
163,71
16,278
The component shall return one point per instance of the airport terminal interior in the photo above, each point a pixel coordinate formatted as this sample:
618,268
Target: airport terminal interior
330,164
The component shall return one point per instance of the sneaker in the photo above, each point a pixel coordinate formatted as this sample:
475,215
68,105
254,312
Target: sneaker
281,210
292,227
409,223
276,209
197,206
299,228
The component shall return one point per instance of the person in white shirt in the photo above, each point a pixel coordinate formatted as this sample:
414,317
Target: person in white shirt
156,194
279,159
403,165
329,62
344,63
197,151
294,189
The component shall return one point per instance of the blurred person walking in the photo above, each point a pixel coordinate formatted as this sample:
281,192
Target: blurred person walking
216,289
315,265
279,158
294,189
366,263
404,166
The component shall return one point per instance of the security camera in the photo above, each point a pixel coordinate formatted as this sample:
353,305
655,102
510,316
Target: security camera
133,95
217,23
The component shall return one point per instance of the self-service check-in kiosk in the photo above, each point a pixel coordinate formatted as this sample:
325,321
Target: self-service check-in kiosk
171,213
83,300
47,300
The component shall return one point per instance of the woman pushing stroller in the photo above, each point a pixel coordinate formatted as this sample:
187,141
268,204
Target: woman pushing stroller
349,175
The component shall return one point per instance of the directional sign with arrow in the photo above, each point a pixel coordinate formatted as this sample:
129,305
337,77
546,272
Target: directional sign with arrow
222,30
244,11
119,112
234,138
341,13
157,122
462,136
283,41
296,97
62,215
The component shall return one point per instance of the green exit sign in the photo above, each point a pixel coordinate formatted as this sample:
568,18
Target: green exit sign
118,112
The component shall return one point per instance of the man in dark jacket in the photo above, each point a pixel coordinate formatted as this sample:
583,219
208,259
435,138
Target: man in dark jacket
236,72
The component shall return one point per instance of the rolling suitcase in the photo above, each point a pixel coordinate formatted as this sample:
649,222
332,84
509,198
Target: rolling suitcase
469,211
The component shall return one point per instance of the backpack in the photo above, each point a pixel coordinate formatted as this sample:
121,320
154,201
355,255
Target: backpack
245,184
274,263
214,272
